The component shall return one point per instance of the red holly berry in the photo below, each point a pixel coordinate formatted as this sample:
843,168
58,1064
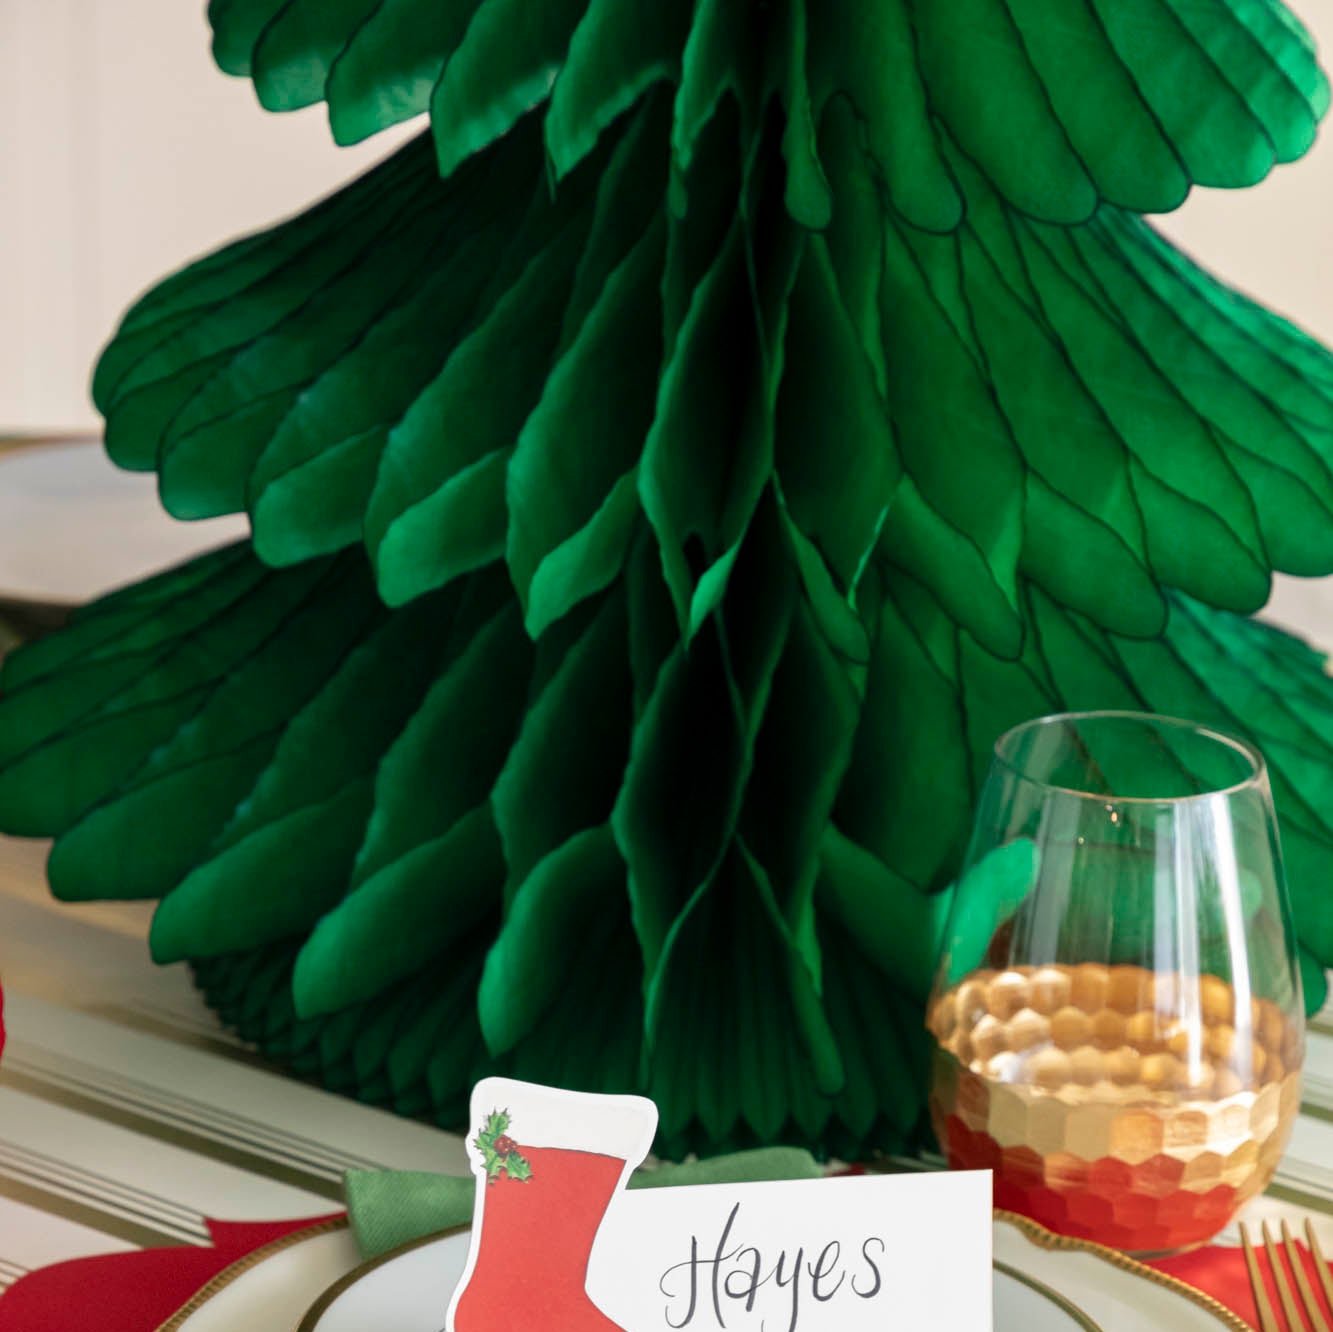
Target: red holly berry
505,1145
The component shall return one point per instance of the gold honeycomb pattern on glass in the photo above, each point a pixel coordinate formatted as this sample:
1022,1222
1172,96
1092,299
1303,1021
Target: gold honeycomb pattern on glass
1115,1104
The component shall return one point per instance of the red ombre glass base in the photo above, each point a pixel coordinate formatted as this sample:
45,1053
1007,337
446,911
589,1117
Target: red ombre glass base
1141,1209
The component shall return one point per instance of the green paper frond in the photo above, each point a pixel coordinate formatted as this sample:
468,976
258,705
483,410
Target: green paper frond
454,371
668,474
1064,104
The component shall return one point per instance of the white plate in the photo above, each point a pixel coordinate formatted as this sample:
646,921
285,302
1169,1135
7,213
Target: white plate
271,1289
405,1290
1036,1290
1023,1302
73,526
1110,1292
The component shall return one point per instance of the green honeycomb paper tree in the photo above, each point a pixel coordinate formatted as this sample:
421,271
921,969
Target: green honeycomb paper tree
668,473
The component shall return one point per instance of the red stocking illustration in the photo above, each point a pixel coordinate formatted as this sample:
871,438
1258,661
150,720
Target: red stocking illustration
547,1164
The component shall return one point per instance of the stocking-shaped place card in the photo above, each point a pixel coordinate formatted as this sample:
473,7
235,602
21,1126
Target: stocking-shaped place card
547,1165
557,1244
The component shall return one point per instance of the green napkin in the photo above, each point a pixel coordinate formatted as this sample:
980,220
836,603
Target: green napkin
393,1207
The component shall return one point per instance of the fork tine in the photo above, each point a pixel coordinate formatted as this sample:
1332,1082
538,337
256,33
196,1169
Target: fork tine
1267,1320
1320,1263
1312,1310
1294,1319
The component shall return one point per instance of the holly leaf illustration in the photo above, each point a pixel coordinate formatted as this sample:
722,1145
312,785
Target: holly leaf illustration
490,1160
499,1155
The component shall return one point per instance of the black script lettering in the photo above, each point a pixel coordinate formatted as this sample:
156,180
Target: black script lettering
749,1275
874,1267
718,1259
824,1266
794,1281
693,1265
738,1277
720,1256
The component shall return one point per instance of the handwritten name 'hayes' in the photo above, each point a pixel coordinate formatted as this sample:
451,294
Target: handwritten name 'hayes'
733,1277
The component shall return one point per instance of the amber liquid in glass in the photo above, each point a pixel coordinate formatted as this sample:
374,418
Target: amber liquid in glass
1112,1103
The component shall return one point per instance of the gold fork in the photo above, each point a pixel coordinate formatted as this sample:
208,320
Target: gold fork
1268,1321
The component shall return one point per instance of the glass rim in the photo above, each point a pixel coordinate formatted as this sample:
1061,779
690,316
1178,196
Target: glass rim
1257,777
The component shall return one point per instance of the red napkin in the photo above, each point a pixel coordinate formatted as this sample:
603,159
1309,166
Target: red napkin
132,1292
1220,1272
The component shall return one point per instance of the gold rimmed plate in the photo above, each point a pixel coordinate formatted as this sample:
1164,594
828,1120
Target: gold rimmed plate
404,1290
271,1289
313,1281
1042,1284
1111,1291
1024,1301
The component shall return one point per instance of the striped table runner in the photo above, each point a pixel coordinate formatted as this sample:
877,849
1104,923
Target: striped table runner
127,1117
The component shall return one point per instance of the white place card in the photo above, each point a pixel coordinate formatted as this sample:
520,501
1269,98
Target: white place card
847,1254
558,1244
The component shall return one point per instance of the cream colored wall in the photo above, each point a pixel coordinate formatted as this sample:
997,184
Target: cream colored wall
1275,241
123,151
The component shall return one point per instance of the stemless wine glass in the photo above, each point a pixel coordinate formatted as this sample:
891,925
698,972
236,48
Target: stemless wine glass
1117,1015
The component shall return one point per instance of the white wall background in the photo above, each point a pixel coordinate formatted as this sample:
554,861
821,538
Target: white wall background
1275,241
123,152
